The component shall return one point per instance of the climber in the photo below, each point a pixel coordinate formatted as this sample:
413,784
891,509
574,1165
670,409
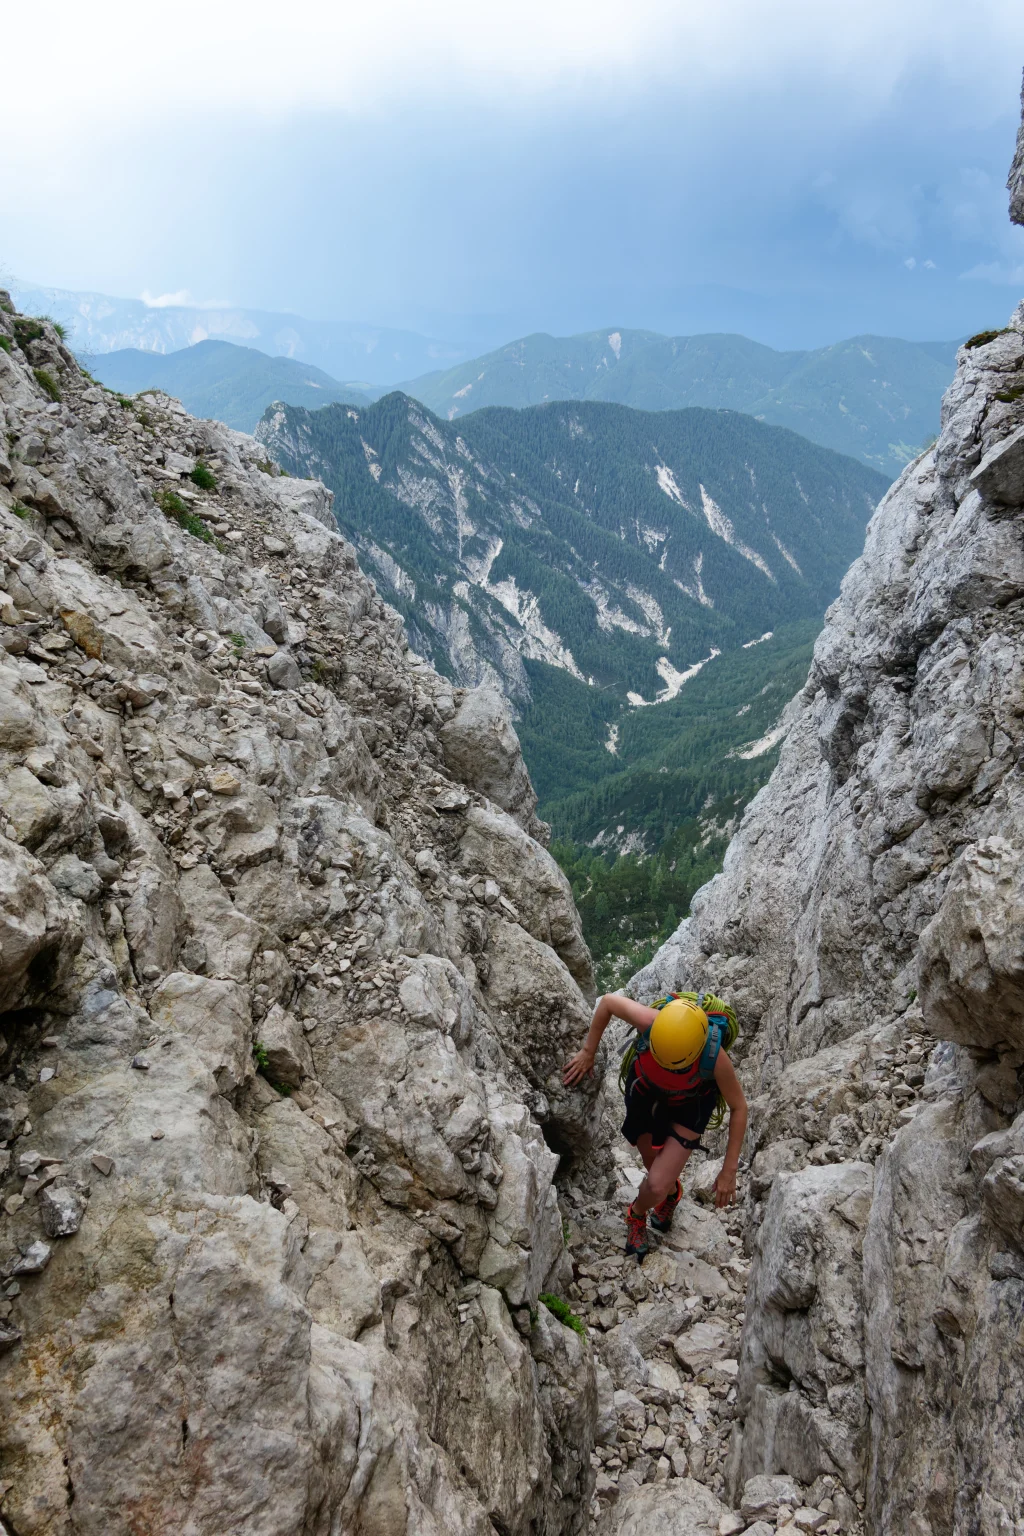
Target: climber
678,1080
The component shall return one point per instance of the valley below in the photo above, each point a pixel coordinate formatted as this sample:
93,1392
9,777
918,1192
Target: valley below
643,588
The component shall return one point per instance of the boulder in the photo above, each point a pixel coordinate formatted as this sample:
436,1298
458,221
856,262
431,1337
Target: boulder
214,1017
308,497
971,954
762,1497
495,846
482,749
682,1507
282,1043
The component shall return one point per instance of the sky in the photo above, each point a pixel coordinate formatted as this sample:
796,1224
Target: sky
794,171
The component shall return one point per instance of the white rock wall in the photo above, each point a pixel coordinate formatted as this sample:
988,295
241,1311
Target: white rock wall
867,926
285,992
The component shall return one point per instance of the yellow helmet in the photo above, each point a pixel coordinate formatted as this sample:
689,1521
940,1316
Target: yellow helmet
678,1034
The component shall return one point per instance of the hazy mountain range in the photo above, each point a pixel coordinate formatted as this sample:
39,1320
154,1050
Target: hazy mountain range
874,397
98,323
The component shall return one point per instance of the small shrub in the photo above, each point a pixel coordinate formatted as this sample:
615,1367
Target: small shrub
262,1063
266,466
62,330
238,641
5,342
47,382
1008,396
204,477
124,402
8,309
20,510
984,337
562,1310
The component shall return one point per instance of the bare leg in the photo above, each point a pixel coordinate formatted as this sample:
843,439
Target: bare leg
662,1172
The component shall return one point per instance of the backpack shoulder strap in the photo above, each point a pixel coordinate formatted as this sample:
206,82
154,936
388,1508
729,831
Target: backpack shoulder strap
717,1030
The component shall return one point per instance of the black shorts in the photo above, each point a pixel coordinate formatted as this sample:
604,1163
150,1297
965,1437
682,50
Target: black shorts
648,1114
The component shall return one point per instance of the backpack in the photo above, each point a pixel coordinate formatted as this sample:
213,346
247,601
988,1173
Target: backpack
723,1029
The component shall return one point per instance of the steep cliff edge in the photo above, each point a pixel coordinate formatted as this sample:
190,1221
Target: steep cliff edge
286,985
869,926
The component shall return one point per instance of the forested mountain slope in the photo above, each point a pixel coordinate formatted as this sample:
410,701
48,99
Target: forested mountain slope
875,397
220,380
617,546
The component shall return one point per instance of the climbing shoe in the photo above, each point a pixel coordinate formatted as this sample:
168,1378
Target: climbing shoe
636,1234
661,1216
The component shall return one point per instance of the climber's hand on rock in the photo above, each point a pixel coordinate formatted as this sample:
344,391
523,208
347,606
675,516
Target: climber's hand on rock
578,1067
725,1188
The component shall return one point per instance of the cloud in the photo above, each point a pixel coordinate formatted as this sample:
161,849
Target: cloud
910,263
340,55
997,272
182,297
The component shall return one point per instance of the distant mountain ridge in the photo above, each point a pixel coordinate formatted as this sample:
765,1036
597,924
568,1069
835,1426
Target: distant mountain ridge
619,546
873,397
219,380
98,322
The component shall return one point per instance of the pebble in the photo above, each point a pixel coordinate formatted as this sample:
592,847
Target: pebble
140,1063
62,1210
102,1163
33,1260
156,1135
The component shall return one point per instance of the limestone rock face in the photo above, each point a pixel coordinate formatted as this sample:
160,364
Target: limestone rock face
868,928
1016,179
286,984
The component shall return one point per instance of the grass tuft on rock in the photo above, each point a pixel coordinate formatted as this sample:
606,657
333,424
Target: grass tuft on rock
565,1314
171,505
983,338
203,477
47,382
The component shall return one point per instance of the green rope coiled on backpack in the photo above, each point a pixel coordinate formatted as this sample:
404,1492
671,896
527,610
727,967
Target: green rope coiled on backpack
711,1004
